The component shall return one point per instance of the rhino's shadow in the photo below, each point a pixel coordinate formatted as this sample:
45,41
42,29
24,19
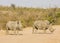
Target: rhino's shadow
42,33
15,34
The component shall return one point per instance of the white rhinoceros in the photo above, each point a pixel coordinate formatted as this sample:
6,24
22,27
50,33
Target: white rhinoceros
13,25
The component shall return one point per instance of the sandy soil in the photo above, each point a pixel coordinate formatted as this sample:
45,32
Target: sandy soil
28,37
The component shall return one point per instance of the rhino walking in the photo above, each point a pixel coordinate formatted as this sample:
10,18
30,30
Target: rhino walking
13,25
42,25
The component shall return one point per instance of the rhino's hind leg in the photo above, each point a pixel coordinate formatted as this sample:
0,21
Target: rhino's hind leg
34,29
7,31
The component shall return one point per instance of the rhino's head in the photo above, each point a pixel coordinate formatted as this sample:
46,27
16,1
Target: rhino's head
52,30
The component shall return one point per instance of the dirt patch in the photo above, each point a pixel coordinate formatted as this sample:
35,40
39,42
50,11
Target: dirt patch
28,37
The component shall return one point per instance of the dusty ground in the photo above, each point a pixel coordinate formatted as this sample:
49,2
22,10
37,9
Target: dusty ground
28,37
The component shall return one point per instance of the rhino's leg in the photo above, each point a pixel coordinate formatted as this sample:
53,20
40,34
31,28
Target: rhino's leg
34,29
17,32
44,30
7,31
18,29
14,31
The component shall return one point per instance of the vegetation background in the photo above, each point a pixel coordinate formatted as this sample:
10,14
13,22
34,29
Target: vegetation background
28,15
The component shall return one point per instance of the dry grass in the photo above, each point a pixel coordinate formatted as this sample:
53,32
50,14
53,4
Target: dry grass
26,15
